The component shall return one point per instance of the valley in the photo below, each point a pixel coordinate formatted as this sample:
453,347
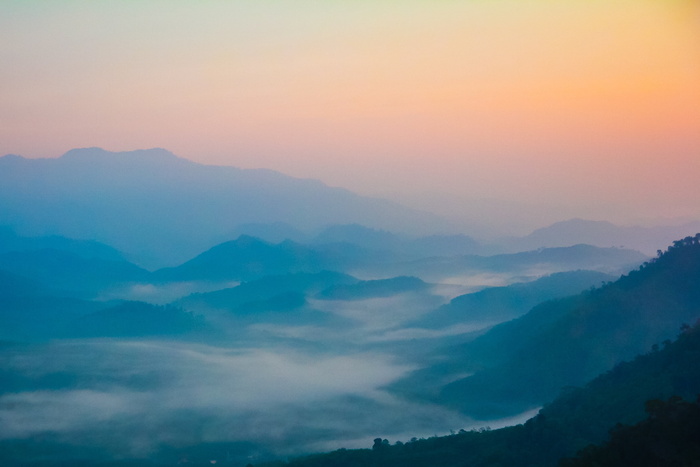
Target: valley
260,349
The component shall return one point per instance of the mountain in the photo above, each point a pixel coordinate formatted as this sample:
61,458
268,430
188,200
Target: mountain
566,342
135,319
360,235
364,237
69,272
533,263
495,304
603,234
275,232
30,310
249,258
372,289
444,245
245,258
405,246
88,249
14,285
266,288
161,209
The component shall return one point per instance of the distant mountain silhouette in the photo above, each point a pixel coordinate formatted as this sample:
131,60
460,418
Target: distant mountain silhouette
266,288
14,285
360,235
249,258
245,258
135,319
69,272
538,262
30,310
603,234
275,232
445,245
10,241
401,245
160,209
373,288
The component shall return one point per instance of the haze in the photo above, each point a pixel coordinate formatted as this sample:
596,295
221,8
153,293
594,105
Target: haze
576,108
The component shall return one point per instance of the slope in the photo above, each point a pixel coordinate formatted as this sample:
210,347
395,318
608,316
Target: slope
568,341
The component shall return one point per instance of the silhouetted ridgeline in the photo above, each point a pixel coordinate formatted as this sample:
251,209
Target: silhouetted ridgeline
600,233
495,304
161,209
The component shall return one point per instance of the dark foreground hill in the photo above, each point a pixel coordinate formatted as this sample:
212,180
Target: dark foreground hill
669,436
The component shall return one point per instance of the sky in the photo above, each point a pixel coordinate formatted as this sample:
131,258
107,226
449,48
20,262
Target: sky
584,108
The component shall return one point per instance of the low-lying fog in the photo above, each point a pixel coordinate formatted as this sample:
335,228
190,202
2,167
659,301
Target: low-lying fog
133,397
286,388
280,383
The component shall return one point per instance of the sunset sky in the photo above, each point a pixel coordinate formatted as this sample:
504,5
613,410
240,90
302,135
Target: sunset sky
589,106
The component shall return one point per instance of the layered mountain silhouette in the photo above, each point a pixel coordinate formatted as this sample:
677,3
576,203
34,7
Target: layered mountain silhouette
495,304
161,209
88,249
69,272
565,342
266,288
528,263
602,234
373,288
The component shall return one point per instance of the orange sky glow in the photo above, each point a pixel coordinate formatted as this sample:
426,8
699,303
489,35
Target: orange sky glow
589,105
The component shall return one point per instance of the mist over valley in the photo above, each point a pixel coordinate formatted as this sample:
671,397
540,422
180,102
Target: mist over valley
154,310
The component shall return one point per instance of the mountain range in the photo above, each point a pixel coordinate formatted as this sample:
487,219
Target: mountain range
154,309
648,240
160,209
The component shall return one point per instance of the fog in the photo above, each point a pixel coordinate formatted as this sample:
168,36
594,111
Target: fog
279,387
134,397
162,293
261,354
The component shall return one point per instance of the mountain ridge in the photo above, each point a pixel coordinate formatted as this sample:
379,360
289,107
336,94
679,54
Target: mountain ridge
159,208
